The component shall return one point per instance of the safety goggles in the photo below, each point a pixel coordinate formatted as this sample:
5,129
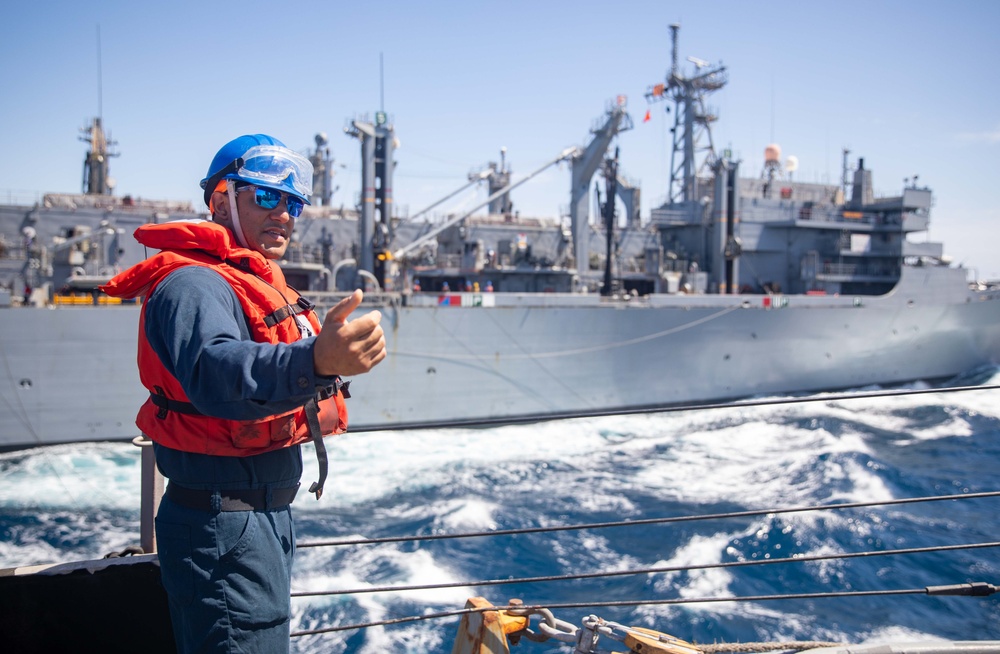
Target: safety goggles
273,165
269,198
268,165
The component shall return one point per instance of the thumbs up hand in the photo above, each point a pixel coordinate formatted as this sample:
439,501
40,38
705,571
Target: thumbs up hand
348,348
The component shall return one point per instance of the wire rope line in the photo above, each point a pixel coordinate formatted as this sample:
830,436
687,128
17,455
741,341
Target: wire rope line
739,647
648,521
833,397
977,589
672,408
808,558
551,374
17,408
484,365
582,350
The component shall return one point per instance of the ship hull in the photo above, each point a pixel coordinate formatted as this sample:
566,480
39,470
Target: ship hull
70,372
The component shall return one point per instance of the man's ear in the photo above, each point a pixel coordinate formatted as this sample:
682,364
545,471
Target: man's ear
220,204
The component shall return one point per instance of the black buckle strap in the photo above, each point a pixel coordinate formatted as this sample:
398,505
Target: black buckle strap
278,315
257,499
165,404
312,418
301,306
343,387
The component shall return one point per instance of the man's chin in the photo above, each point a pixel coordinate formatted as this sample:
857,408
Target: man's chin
271,251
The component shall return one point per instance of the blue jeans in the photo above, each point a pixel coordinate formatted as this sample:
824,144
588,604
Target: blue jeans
227,577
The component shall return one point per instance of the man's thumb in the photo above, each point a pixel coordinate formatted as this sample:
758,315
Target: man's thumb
342,309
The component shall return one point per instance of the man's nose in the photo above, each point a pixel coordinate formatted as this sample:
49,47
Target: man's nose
280,212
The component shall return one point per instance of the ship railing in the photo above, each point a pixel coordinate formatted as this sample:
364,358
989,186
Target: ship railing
125,203
859,270
325,300
21,197
449,260
304,253
12,252
632,265
837,216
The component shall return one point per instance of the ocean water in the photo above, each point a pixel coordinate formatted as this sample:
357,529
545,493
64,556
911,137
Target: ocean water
81,501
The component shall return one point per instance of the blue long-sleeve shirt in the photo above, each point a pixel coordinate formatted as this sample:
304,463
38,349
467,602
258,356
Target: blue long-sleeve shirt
196,326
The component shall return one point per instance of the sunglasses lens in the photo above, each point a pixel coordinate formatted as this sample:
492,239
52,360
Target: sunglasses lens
294,206
267,198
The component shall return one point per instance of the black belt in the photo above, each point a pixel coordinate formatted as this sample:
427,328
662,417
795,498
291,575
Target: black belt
232,500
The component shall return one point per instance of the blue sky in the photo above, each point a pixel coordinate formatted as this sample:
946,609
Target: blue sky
910,86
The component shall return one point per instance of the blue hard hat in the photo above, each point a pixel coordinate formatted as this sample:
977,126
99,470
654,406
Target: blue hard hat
260,160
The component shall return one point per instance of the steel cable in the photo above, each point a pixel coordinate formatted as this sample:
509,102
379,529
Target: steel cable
624,603
672,519
647,521
653,570
666,408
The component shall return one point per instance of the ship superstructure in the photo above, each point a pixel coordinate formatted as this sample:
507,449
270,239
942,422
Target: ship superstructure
734,287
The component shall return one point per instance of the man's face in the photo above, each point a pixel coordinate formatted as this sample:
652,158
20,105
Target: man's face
267,231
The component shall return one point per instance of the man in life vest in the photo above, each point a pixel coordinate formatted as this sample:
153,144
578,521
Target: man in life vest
240,372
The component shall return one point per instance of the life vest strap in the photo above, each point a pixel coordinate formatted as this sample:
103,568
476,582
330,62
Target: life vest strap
302,305
312,419
165,404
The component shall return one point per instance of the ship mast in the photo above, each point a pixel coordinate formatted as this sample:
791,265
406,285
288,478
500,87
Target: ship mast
692,135
378,144
608,214
322,171
96,178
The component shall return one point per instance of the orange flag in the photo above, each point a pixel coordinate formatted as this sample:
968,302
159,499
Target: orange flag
646,119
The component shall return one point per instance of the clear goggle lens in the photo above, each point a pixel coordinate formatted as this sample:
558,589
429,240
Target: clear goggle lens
273,165
269,198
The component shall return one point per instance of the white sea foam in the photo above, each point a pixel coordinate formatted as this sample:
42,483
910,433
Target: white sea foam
467,515
365,569
84,501
382,566
747,446
895,635
77,476
708,582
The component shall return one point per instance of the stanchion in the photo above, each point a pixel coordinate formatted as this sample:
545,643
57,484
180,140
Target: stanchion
152,492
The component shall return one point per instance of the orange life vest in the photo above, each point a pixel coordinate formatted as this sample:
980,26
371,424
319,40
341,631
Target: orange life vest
168,417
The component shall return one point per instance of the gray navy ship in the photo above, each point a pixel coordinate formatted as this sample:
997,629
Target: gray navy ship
735,287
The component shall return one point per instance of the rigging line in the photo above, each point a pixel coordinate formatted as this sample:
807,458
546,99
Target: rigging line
557,379
586,350
474,359
649,521
666,408
655,570
812,398
20,411
929,590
